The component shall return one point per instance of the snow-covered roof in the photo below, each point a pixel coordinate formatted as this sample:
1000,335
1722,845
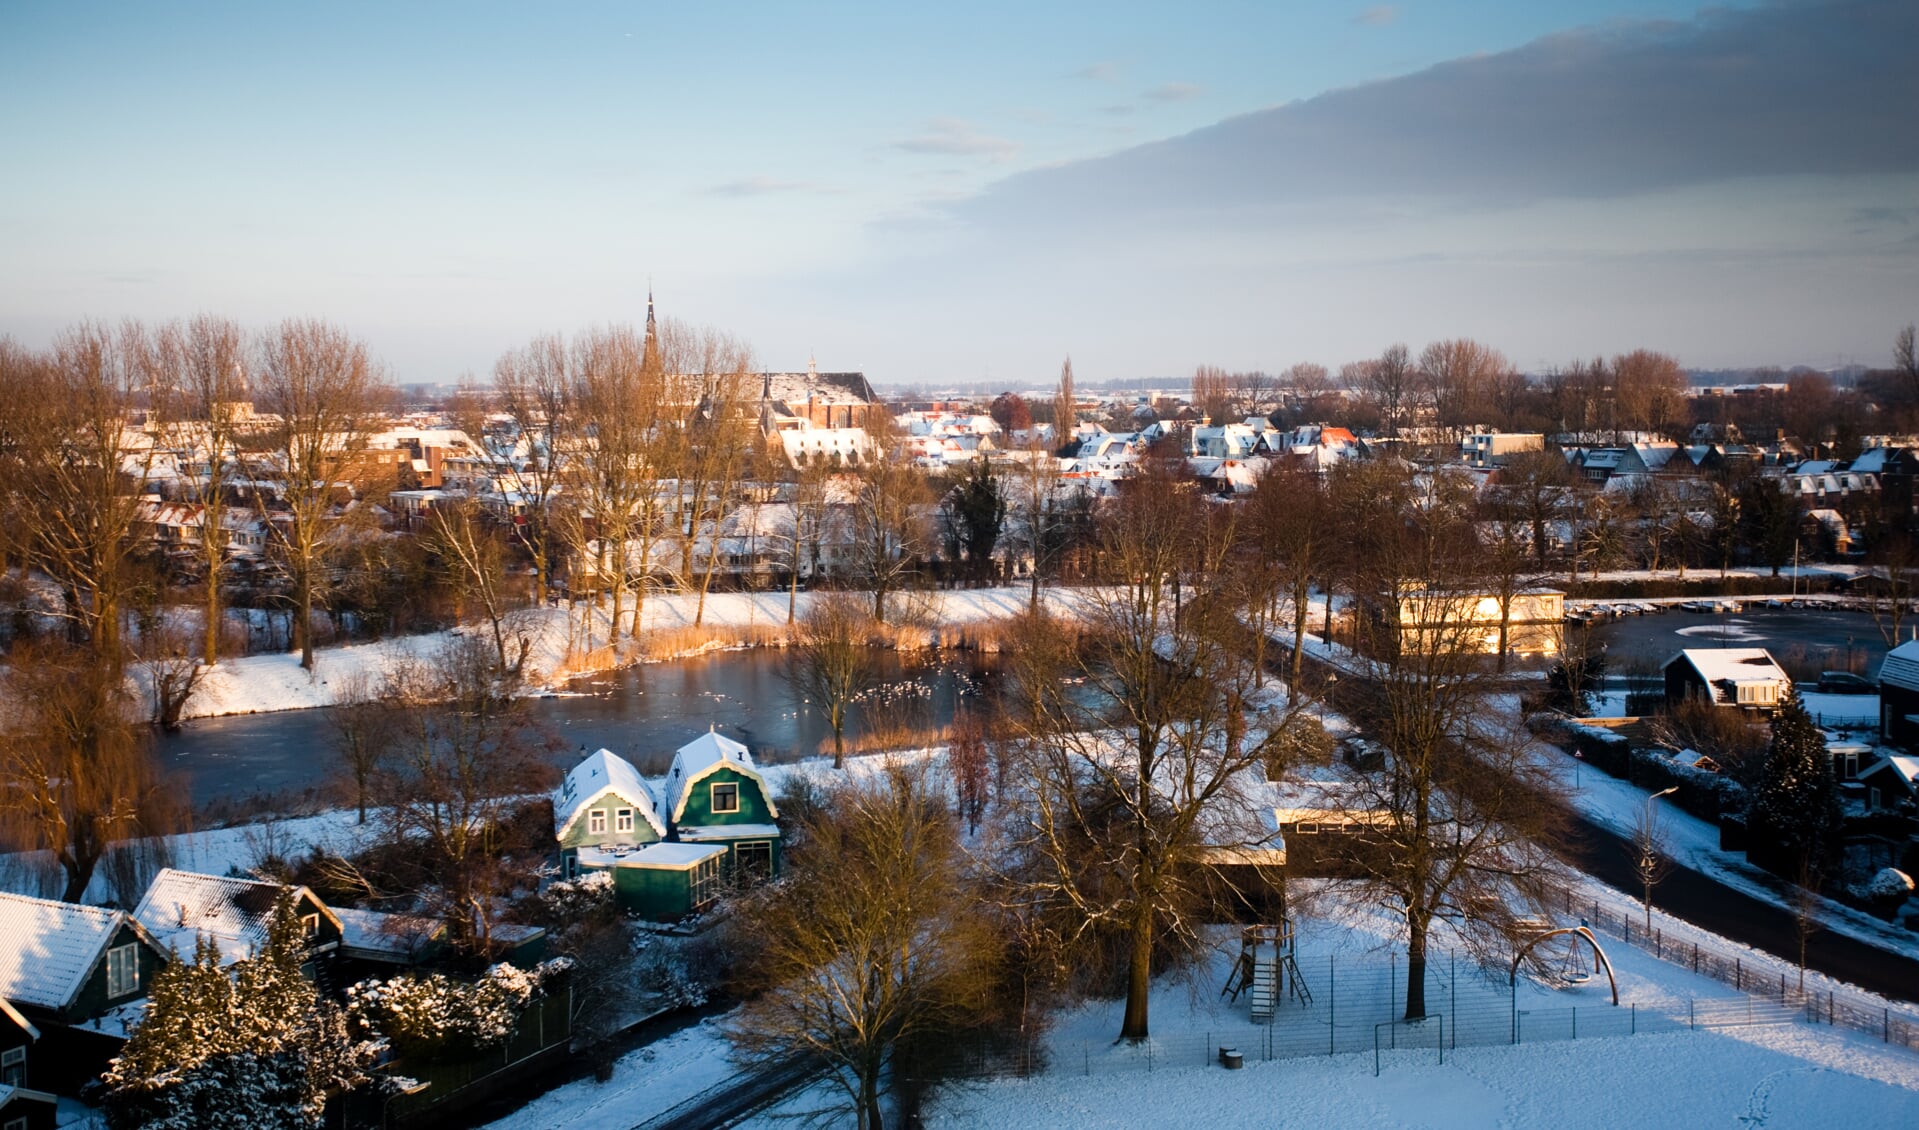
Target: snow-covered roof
182,906
387,935
1733,665
705,754
1906,768
677,857
600,774
697,833
1900,668
48,949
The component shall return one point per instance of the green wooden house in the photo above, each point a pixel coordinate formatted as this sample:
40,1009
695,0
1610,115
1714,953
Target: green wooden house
714,795
76,976
607,818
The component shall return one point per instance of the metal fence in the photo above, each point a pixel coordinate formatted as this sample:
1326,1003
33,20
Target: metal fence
1840,1010
1356,1007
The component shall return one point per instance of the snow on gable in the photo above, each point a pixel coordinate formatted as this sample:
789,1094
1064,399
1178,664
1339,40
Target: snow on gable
180,907
604,773
702,756
48,949
1900,668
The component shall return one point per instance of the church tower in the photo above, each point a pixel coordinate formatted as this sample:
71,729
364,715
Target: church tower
650,355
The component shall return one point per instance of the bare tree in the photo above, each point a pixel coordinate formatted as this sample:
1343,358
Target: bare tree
321,391
210,353
79,775
172,671
877,944
1065,407
536,391
1888,584
832,661
717,446
1651,852
806,531
1806,904
83,460
463,748
1392,383
1905,357
363,724
1458,815
624,462
1459,378
891,527
472,556
1135,784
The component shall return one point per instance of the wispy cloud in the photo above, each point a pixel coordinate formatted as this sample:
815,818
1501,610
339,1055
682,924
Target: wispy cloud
763,186
1119,110
1107,71
1175,91
1379,15
957,137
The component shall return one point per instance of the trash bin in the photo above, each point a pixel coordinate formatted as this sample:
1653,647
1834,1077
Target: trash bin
1230,1059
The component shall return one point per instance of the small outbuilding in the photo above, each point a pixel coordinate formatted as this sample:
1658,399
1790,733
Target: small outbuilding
1899,696
1745,677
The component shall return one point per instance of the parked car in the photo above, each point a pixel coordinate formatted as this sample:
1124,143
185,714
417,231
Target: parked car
1845,682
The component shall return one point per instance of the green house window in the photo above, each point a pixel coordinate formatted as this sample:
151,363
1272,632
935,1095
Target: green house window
596,822
726,798
706,880
755,859
123,970
622,820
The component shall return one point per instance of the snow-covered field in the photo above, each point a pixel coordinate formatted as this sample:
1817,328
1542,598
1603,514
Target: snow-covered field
1785,1075
260,683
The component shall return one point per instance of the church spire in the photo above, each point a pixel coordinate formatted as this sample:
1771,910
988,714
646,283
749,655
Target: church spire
650,356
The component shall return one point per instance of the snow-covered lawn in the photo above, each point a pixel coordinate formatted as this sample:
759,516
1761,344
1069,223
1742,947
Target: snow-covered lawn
1673,1080
646,1082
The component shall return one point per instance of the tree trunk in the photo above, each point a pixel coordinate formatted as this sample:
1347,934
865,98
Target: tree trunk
303,620
79,869
1139,974
793,592
212,646
1418,921
871,1118
1505,624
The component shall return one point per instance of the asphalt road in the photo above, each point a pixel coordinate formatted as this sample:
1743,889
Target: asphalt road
1704,902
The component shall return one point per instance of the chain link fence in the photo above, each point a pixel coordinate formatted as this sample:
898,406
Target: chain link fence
1356,1007
1840,1010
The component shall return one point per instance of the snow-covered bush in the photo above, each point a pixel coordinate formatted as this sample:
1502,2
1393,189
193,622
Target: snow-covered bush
575,900
1886,890
426,1016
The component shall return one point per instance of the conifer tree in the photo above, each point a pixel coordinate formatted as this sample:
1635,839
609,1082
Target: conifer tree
1795,806
253,1045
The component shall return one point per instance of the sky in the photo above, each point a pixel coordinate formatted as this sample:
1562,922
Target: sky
972,192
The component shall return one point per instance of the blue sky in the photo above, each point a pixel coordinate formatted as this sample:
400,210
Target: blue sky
969,192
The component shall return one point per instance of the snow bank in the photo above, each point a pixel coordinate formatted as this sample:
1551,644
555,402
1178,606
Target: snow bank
260,683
